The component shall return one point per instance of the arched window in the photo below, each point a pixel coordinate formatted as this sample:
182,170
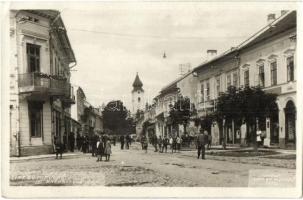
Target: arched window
139,99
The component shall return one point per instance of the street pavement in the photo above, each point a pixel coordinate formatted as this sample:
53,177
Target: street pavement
134,167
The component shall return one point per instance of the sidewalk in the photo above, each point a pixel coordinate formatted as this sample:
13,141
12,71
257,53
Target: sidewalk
64,155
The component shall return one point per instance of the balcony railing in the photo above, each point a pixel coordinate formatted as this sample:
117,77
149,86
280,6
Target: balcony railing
41,83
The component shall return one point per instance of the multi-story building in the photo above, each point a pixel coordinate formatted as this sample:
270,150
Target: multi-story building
88,117
40,89
267,59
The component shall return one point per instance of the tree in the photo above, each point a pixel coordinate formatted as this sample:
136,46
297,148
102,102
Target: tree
181,111
115,118
245,104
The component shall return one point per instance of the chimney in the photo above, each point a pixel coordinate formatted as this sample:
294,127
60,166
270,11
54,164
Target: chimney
283,12
270,18
211,53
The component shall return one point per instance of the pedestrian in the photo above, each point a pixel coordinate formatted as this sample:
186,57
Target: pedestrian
85,144
165,143
155,142
72,141
94,141
58,146
122,141
127,141
174,145
178,143
209,141
160,143
100,149
259,139
144,143
78,141
171,142
107,149
201,144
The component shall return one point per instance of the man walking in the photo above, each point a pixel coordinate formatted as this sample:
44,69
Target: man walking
122,141
201,144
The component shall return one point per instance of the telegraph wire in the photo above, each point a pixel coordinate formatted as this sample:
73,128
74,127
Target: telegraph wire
152,36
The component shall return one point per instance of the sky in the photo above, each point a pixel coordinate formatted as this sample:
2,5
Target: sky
114,41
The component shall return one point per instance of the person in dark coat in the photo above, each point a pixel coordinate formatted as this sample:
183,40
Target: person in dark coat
94,141
85,144
72,141
59,147
127,138
155,142
122,141
160,143
201,141
144,143
165,143
100,149
78,142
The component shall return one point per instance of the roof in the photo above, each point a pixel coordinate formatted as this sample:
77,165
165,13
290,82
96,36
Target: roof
57,27
137,83
282,23
173,84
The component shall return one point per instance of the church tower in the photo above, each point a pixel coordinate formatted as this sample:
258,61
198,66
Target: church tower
137,95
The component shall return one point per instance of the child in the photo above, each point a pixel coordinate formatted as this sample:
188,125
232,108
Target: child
107,150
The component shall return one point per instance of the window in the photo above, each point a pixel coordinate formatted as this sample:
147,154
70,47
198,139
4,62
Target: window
139,99
202,92
235,79
261,75
228,81
246,78
290,68
35,111
207,91
33,57
273,72
218,86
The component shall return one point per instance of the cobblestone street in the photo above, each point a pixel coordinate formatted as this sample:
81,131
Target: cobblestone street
134,167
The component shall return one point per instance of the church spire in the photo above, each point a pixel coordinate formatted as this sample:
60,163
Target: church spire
137,85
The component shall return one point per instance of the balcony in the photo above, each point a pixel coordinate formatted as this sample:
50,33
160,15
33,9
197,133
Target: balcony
42,85
69,97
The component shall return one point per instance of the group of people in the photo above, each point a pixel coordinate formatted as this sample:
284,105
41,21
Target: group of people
98,145
125,141
160,144
103,148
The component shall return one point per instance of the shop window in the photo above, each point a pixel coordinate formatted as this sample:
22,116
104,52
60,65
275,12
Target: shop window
35,112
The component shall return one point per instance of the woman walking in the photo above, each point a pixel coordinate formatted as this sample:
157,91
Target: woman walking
107,149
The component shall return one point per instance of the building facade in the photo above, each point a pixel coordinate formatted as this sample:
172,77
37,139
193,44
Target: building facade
267,60
40,91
